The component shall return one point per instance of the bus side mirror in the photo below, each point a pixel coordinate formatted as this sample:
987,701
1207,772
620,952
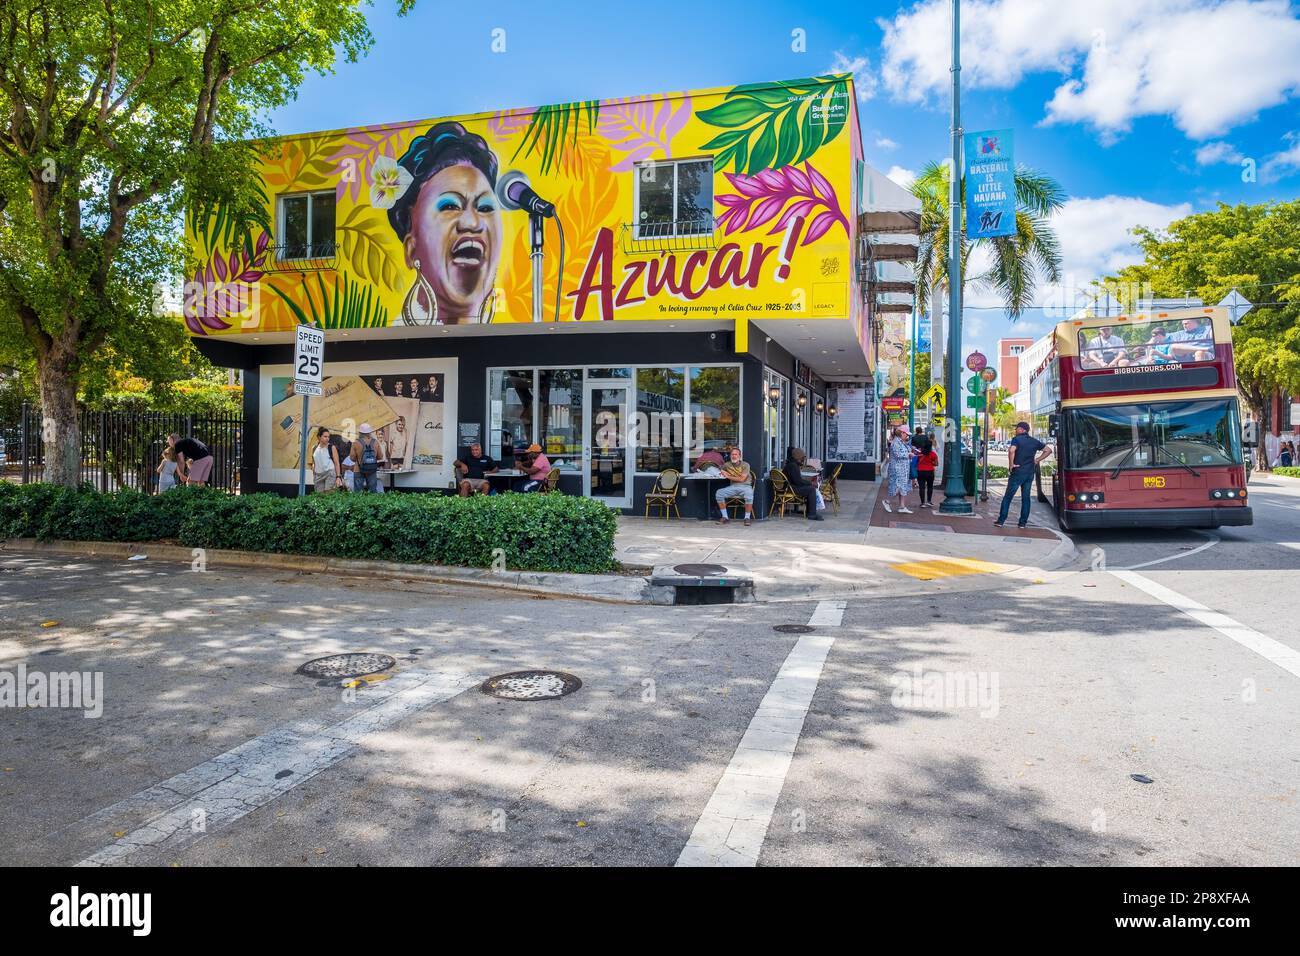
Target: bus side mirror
1053,425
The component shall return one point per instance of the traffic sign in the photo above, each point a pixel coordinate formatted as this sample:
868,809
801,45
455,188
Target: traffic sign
309,355
976,402
1237,305
307,388
976,361
975,385
989,375
936,393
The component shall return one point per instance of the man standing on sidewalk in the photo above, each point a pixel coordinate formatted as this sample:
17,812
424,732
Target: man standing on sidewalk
1023,456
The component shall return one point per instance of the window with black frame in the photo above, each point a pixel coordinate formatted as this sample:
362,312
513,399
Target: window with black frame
660,419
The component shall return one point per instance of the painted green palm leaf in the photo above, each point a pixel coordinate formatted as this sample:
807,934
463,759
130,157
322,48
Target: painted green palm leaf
551,128
773,125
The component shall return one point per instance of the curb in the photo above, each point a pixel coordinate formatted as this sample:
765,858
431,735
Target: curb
601,588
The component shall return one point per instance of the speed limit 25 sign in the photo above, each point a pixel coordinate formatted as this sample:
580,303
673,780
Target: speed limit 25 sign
309,355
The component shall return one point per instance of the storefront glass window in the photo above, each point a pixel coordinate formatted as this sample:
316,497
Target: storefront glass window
660,422
559,403
610,372
510,412
715,409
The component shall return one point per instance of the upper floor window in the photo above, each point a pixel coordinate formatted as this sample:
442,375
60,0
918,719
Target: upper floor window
1015,349
306,226
674,198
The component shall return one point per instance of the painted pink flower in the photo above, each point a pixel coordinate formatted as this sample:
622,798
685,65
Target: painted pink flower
777,196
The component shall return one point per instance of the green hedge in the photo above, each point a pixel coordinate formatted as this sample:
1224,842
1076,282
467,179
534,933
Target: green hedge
1289,472
537,532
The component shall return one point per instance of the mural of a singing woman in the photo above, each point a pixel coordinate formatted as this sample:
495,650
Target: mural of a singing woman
449,223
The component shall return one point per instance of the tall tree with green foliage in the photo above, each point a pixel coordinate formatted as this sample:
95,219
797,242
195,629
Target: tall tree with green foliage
1018,263
113,115
1253,248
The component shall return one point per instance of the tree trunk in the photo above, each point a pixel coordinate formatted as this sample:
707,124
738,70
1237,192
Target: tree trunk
60,428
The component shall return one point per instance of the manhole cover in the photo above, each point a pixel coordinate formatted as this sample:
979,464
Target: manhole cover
531,685
700,570
792,628
346,665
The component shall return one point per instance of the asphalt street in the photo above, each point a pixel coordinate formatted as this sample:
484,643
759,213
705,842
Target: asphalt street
995,725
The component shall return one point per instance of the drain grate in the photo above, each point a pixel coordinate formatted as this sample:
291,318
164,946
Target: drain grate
346,665
531,685
700,570
792,628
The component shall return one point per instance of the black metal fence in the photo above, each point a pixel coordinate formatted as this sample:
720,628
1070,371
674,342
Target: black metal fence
123,449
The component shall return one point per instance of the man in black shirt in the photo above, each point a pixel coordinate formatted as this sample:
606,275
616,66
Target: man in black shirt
1023,455
474,470
193,460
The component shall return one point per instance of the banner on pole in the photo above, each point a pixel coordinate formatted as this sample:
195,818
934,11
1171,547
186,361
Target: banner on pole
923,329
990,184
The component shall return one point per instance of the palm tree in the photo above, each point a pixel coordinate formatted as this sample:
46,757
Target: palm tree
1017,262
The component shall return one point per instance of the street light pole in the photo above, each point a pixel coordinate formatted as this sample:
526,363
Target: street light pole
954,486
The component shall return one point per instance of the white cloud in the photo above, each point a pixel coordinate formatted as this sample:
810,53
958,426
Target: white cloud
1218,152
1095,241
1209,64
904,177
1284,163
864,78
884,142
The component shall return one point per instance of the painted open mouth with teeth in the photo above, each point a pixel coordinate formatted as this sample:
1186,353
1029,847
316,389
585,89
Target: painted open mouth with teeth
468,252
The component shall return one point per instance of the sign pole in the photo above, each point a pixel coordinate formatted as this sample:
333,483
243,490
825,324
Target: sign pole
984,482
911,391
954,488
302,448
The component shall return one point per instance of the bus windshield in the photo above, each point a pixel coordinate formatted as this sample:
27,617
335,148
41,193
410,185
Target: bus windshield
1153,435
1151,342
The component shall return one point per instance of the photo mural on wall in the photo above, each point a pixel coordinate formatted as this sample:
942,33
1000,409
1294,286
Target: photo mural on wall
702,205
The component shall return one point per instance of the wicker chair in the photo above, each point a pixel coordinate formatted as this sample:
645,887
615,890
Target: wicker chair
664,494
830,491
782,495
552,483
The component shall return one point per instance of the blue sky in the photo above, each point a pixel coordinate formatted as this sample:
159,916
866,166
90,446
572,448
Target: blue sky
1144,111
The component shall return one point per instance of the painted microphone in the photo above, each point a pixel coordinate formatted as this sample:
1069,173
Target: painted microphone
514,192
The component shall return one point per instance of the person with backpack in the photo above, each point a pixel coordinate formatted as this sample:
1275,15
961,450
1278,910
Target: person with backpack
367,456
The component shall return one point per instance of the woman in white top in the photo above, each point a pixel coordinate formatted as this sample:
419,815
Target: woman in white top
325,464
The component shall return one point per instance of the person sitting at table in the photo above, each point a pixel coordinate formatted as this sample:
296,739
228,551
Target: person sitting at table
736,471
710,459
536,466
799,484
474,470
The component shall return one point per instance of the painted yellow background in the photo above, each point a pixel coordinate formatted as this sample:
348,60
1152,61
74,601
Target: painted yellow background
585,158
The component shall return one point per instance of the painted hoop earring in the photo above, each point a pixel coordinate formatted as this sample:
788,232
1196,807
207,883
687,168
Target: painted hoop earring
412,312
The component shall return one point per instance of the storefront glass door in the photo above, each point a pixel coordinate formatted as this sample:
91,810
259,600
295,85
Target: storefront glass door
606,450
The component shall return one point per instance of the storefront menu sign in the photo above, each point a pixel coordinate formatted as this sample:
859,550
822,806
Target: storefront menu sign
469,433
990,184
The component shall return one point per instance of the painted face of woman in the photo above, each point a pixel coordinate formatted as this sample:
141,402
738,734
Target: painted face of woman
456,237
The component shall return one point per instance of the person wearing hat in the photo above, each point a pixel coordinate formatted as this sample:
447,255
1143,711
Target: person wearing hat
367,457
1023,455
536,467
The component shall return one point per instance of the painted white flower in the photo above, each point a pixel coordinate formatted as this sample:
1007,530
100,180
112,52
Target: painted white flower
388,182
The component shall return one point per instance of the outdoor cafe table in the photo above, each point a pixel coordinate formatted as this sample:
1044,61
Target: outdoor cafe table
508,474
703,488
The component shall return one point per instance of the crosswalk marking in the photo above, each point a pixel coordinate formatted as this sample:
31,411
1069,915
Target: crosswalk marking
733,826
234,784
1276,652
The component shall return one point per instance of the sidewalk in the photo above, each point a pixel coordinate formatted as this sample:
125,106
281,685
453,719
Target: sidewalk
861,550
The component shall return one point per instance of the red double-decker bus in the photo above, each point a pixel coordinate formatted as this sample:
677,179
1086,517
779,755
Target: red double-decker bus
1143,414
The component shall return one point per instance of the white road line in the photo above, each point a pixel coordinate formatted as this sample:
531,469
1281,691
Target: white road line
1214,539
1293,545
828,614
251,775
1276,652
733,826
